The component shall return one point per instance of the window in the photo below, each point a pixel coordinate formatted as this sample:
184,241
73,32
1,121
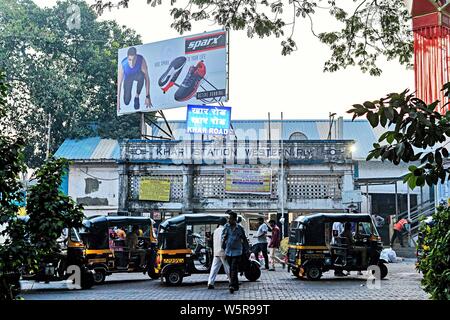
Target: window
298,136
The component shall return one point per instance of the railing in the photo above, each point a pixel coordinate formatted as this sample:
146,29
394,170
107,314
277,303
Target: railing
424,209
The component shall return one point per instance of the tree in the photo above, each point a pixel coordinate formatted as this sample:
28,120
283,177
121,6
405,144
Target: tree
49,209
369,28
68,73
435,260
15,250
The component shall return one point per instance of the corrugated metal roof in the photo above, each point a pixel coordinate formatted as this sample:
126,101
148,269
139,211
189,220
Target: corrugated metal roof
89,149
105,149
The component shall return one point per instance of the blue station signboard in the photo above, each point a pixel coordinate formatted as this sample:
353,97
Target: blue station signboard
209,120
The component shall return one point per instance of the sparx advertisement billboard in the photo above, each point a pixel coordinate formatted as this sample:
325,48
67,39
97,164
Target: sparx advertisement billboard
210,120
248,180
173,73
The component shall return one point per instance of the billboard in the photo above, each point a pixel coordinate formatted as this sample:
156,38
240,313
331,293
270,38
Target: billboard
154,190
209,120
248,180
173,73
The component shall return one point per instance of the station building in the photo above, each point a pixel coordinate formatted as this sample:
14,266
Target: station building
293,167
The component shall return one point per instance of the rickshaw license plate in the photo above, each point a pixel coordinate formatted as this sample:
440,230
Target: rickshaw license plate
174,260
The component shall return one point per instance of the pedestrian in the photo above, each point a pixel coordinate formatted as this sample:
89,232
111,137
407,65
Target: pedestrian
261,242
337,229
233,242
219,254
274,243
379,220
399,227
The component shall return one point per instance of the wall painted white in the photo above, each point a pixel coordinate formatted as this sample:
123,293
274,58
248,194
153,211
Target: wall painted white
99,183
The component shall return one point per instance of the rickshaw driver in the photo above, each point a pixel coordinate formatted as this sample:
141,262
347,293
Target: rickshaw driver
132,240
348,235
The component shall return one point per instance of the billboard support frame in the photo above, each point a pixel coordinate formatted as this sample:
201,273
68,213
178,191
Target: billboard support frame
168,133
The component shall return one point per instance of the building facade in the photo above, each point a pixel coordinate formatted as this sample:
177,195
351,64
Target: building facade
323,163
246,176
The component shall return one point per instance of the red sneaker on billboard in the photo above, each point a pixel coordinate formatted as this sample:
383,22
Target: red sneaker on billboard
191,83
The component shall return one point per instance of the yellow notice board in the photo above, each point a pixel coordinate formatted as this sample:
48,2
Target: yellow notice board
154,190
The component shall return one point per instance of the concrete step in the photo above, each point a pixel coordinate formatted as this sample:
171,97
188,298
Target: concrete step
405,252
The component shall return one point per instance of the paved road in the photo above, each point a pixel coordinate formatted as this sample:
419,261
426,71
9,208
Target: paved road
403,282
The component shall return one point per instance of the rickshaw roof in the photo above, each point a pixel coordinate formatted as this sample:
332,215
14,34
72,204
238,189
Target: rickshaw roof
335,217
194,218
107,220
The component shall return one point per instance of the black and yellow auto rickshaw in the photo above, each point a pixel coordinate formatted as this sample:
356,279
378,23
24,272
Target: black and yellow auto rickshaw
316,247
119,244
60,265
185,247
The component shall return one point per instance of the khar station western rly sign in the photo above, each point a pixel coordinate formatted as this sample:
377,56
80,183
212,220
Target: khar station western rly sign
235,152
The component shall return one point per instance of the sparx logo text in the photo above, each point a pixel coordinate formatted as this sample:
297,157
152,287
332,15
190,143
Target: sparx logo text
207,42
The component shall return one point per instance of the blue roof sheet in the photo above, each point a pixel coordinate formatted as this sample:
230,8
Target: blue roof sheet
84,149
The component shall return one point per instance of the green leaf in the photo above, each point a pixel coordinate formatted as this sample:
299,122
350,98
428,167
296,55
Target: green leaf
373,119
412,182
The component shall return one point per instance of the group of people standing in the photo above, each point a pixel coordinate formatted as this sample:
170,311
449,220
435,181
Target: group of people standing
230,244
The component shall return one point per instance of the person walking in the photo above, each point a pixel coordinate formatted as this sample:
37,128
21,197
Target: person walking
399,227
219,255
274,243
233,242
379,220
261,242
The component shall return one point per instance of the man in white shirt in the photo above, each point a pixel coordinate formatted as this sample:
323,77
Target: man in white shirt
261,242
337,229
219,255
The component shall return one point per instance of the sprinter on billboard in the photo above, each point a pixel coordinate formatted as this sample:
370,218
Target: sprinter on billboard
176,72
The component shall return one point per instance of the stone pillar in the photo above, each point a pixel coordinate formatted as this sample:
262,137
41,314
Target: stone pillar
282,198
123,186
188,188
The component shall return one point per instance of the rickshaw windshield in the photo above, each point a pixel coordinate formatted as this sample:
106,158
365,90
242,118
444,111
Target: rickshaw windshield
366,229
297,234
74,236
171,239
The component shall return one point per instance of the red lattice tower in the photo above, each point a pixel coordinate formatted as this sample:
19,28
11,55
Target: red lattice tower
431,26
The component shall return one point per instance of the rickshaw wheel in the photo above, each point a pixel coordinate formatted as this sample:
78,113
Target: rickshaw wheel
153,275
174,277
87,279
99,276
313,273
253,273
383,270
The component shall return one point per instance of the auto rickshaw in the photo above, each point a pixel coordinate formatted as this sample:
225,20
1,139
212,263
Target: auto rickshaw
185,247
315,248
108,247
59,265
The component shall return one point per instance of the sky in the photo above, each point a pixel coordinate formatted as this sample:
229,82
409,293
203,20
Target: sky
262,80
